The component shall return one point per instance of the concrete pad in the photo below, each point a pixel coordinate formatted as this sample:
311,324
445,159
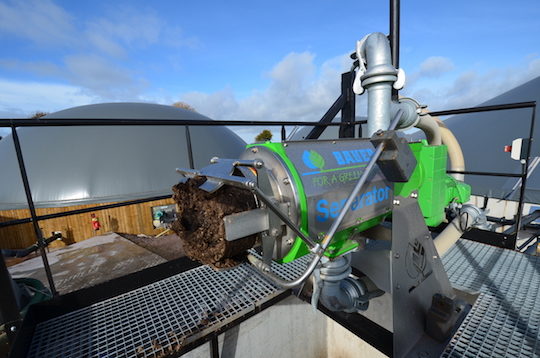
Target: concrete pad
89,262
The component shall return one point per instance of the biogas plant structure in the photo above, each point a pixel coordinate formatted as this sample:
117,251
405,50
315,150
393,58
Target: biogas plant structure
370,241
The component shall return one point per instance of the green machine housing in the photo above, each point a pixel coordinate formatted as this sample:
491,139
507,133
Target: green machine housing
307,163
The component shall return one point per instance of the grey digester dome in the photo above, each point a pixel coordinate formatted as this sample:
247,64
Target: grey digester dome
81,165
483,136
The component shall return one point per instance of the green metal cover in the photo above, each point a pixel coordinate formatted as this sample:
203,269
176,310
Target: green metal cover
436,189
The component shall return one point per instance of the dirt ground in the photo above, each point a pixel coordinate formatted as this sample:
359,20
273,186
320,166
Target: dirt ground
89,262
169,247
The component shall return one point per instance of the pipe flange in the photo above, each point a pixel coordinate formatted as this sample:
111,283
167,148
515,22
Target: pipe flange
410,117
377,78
381,70
358,293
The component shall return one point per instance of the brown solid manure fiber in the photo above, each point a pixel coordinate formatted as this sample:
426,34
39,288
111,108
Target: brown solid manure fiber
200,224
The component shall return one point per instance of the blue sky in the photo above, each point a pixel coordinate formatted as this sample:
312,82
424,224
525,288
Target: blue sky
274,60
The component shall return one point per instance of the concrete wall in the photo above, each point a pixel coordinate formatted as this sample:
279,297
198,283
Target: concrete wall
289,329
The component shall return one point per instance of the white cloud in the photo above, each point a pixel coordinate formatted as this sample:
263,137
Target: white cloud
99,77
469,88
218,105
40,21
92,74
105,44
298,91
40,68
45,23
21,99
124,27
298,88
431,68
90,50
435,66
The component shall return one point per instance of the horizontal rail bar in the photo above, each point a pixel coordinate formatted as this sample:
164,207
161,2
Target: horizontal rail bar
82,211
502,221
19,122
496,107
23,122
489,174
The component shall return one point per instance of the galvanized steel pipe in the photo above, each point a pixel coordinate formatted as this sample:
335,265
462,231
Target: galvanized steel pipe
378,80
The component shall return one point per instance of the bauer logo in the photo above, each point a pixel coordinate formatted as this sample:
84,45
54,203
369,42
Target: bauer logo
356,156
313,160
337,161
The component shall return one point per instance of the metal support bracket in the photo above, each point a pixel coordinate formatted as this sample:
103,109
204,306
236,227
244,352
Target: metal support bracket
397,162
220,172
417,275
275,225
246,223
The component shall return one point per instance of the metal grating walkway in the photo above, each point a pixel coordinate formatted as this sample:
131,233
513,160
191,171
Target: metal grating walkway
159,319
162,317
505,320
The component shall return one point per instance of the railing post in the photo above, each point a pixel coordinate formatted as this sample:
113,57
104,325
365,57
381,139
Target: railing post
348,111
214,347
394,38
35,220
525,173
189,148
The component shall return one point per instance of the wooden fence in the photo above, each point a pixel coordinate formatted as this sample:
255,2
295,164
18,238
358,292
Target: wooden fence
133,219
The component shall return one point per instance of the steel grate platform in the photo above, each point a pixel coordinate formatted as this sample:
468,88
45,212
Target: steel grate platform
159,319
505,320
162,317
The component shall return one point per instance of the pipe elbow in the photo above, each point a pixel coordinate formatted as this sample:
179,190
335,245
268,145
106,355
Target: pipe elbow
469,216
377,75
431,129
375,49
340,292
348,295
457,160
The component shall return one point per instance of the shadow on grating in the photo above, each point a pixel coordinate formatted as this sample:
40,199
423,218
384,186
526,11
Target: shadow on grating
504,322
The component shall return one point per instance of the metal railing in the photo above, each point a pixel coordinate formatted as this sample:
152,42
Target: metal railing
35,219
524,166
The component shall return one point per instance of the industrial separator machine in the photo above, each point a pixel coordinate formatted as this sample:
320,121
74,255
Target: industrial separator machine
361,205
